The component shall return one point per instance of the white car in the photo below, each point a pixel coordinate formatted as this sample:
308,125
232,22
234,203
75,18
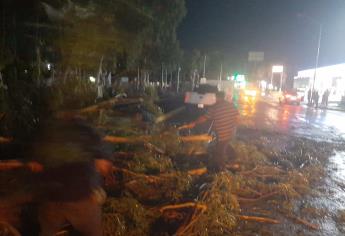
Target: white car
205,95
202,100
290,97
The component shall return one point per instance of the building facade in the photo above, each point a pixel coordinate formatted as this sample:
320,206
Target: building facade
331,78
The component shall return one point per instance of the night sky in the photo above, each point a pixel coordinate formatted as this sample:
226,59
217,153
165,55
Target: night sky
286,30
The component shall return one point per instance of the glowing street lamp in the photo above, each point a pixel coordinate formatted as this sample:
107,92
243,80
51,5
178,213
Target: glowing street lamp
92,79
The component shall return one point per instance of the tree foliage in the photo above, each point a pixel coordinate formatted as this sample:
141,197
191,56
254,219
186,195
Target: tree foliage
74,36
144,31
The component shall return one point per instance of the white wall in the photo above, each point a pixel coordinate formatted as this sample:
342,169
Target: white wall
328,77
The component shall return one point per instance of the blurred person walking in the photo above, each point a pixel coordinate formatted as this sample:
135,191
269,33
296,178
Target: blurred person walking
70,184
310,97
316,99
326,94
225,120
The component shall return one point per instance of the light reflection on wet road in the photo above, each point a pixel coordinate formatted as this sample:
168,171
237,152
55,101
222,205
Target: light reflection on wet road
318,124
301,120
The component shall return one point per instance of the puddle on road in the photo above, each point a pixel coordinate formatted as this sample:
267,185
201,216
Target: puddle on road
333,196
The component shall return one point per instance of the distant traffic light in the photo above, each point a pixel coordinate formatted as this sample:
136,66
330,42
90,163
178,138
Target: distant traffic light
236,76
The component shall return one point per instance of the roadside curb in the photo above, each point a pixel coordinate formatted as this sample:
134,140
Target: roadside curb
334,109
326,108
275,103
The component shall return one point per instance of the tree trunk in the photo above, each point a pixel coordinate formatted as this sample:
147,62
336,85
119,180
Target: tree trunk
38,55
171,77
15,45
162,78
66,75
98,80
99,70
166,75
138,79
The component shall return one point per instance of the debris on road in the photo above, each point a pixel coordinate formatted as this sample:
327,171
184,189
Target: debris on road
163,186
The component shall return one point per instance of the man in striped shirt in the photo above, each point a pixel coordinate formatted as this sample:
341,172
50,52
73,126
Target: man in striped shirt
225,119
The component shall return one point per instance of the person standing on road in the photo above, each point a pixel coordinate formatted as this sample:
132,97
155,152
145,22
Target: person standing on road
309,96
316,99
313,96
225,117
327,93
323,99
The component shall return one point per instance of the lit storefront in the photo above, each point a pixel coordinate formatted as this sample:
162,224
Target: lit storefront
331,78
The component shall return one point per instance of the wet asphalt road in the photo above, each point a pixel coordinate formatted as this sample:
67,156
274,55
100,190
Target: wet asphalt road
287,121
317,124
320,124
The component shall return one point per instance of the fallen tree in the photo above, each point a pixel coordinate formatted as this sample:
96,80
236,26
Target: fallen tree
163,186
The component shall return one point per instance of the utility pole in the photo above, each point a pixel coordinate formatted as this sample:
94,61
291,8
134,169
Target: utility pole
193,80
166,74
178,79
162,79
220,76
204,75
317,57
138,79
221,72
316,22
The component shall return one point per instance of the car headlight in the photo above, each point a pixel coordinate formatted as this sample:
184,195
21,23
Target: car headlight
251,93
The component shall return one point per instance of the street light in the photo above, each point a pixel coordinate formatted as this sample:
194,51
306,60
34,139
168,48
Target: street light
92,79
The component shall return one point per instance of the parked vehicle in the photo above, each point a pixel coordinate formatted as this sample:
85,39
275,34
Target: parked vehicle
204,95
290,97
250,94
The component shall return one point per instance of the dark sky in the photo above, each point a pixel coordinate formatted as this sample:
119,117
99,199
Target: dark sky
286,30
